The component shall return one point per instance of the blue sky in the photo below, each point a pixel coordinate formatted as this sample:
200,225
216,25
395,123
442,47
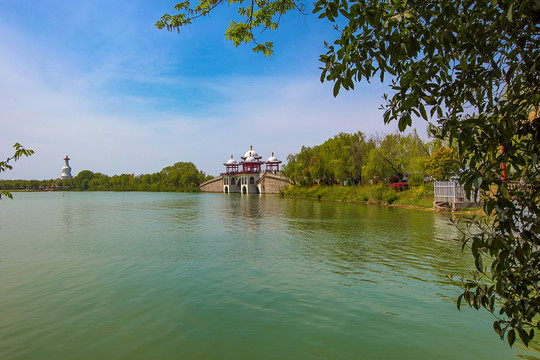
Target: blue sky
96,80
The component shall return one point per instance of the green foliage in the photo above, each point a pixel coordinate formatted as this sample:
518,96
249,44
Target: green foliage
352,159
416,180
20,151
422,192
83,179
258,15
397,154
382,194
421,196
442,164
368,194
337,160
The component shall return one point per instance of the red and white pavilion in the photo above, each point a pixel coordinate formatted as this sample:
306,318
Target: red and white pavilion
245,177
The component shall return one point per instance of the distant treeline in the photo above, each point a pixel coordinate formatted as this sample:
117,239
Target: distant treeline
182,176
356,159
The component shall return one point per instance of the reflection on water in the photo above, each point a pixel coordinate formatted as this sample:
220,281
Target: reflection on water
229,276
359,237
531,353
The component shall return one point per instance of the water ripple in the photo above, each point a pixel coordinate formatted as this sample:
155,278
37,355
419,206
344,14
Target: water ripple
143,275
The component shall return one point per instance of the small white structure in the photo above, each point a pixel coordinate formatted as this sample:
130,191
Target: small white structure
453,194
66,170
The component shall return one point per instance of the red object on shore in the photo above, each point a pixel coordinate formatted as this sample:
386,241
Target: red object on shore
503,166
399,186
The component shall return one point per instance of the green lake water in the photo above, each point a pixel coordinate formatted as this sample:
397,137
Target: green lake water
103,275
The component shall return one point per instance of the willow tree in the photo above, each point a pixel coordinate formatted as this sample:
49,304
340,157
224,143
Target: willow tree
473,68
396,154
337,159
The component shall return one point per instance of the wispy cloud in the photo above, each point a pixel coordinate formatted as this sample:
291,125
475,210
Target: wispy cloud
123,98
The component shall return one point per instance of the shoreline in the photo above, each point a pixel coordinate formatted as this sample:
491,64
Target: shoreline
478,210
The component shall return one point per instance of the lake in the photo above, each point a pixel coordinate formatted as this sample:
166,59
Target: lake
107,275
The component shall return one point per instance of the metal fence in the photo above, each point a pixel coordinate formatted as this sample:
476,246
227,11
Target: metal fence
450,192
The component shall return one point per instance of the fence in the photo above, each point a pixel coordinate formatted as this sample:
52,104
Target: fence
450,192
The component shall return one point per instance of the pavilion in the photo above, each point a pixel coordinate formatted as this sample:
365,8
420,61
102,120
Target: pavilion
251,175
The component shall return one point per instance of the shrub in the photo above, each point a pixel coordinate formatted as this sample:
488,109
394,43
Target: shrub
382,193
423,191
416,180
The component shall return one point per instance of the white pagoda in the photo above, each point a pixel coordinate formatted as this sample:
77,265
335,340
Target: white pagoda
66,170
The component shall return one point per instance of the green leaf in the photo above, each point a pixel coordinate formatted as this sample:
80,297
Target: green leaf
464,64
467,297
511,337
478,263
423,111
524,336
336,87
497,327
510,13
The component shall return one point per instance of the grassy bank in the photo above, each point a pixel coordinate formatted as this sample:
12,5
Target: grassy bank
420,196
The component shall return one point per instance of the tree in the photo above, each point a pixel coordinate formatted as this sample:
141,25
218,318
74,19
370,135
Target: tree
182,175
442,164
83,179
359,156
5,165
337,159
397,154
473,67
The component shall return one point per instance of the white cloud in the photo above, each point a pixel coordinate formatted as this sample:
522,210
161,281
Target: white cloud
126,109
